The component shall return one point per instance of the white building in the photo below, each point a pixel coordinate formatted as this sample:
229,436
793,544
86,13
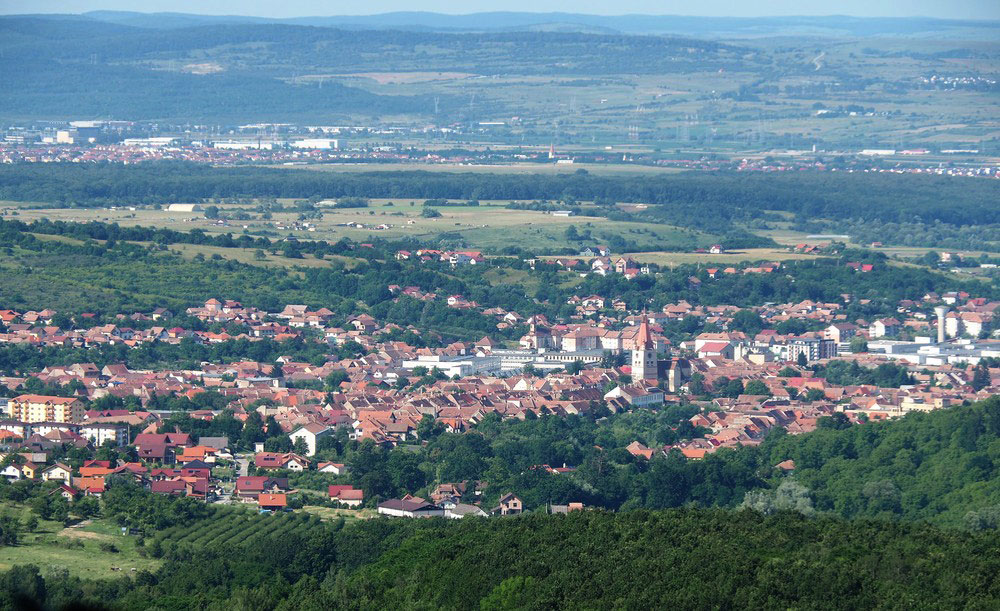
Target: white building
316,144
99,433
184,208
311,434
409,508
638,395
460,366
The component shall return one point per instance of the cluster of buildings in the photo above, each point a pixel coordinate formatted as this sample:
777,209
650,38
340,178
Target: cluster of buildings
605,357
452,257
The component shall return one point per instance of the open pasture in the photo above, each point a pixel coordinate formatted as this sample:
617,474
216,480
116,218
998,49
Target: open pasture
92,550
488,227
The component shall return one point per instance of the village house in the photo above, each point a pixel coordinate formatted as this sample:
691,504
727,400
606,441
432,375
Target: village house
346,495
409,507
271,461
508,505
248,488
311,434
272,501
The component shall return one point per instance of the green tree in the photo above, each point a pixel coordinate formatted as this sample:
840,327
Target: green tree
980,377
335,379
747,321
756,387
511,594
859,344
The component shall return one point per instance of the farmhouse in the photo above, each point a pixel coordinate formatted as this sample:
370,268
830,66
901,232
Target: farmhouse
409,507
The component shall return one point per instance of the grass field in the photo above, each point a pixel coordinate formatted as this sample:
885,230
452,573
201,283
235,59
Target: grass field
729,258
489,227
241,255
349,515
78,550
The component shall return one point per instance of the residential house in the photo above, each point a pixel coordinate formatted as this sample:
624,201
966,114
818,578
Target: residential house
509,505
57,472
884,327
249,487
334,468
840,332
347,495
311,434
270,461
409,507
272,501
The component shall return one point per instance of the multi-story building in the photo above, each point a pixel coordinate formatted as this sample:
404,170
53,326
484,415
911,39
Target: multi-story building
43,408
812,348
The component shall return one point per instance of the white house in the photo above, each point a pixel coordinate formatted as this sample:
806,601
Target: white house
409,507
99,433
311,433
638,395
332,468
58,472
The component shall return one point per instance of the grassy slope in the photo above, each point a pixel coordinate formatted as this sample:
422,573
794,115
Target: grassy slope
51,545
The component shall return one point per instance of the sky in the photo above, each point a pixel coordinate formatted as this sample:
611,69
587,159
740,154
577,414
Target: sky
955,9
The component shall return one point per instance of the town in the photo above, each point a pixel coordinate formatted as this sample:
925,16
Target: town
515,309
938,352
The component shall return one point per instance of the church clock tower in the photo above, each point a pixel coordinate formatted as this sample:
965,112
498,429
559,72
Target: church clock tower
644,366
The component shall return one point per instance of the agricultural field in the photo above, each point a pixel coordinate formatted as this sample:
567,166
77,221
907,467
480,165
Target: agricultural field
331,513
237,525
489,227
734,108
734,257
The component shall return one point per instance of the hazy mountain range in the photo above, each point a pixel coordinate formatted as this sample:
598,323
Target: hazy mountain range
835,25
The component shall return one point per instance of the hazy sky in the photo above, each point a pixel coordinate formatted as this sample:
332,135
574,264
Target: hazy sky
958,9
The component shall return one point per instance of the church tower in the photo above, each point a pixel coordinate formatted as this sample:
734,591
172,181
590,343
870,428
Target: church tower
644,355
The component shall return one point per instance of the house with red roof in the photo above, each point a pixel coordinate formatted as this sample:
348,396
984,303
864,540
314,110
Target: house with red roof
272,501
347,495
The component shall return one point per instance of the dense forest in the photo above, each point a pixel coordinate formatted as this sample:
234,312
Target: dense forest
701,200
874,515
685,558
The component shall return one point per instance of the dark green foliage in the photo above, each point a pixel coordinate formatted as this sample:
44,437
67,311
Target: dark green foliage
936,466
636,560
688,559
844,373
709,201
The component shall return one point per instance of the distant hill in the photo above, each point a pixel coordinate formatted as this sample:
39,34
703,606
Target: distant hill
712,27
167,66
220,69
